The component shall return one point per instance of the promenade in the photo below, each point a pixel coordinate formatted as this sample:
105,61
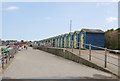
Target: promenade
37,64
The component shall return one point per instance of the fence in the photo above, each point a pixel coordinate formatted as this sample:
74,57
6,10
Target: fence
104,52
6,55
101,56
71,56
0,62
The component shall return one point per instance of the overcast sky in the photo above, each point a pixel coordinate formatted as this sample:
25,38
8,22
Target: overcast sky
39,20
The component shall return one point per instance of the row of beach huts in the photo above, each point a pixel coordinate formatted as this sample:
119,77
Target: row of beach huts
77,39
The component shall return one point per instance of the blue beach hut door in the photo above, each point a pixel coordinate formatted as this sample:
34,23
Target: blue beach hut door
69,41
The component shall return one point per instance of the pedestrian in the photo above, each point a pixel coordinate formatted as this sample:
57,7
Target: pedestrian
26,47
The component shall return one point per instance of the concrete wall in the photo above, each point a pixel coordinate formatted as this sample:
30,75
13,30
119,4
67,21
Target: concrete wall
68,55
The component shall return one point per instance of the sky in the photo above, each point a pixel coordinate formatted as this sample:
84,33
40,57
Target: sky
40,20
60,0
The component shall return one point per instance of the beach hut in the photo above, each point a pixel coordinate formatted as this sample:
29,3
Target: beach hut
70,40
53,41
91,36
65,40
76,39
56,41
62,41
59,43
50,42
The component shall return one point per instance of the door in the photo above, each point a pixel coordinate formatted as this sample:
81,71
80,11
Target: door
82,41
75,41
65,42
69,42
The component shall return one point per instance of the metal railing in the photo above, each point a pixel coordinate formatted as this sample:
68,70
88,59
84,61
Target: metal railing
90,52
0,61
5,57
104,53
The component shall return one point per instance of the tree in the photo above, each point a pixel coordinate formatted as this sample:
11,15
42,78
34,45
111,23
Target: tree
22,40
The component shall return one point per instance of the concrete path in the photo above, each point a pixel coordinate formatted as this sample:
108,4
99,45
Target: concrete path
36,64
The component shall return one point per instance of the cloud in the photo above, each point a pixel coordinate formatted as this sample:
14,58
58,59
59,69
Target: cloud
60,0
111,19
11,8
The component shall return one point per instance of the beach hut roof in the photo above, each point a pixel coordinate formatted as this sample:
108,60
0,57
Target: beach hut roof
62,34
59,35
71,33
93,30
77,32
66,34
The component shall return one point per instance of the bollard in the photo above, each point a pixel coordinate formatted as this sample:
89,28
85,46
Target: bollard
89,51
105,57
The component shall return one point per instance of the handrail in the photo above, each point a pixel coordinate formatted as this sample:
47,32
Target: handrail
5,59
91,51
113,57
106,55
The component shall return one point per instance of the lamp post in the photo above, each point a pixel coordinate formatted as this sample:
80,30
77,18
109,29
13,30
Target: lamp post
70,25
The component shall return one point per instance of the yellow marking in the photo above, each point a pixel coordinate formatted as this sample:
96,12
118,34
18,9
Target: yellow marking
64,41
75,41
82,41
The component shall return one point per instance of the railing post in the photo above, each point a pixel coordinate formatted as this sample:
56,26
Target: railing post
105,57
89,51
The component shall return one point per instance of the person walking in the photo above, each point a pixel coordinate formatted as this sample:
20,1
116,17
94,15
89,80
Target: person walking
26,47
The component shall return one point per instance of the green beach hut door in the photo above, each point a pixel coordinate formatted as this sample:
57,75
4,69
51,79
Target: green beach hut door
82,41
